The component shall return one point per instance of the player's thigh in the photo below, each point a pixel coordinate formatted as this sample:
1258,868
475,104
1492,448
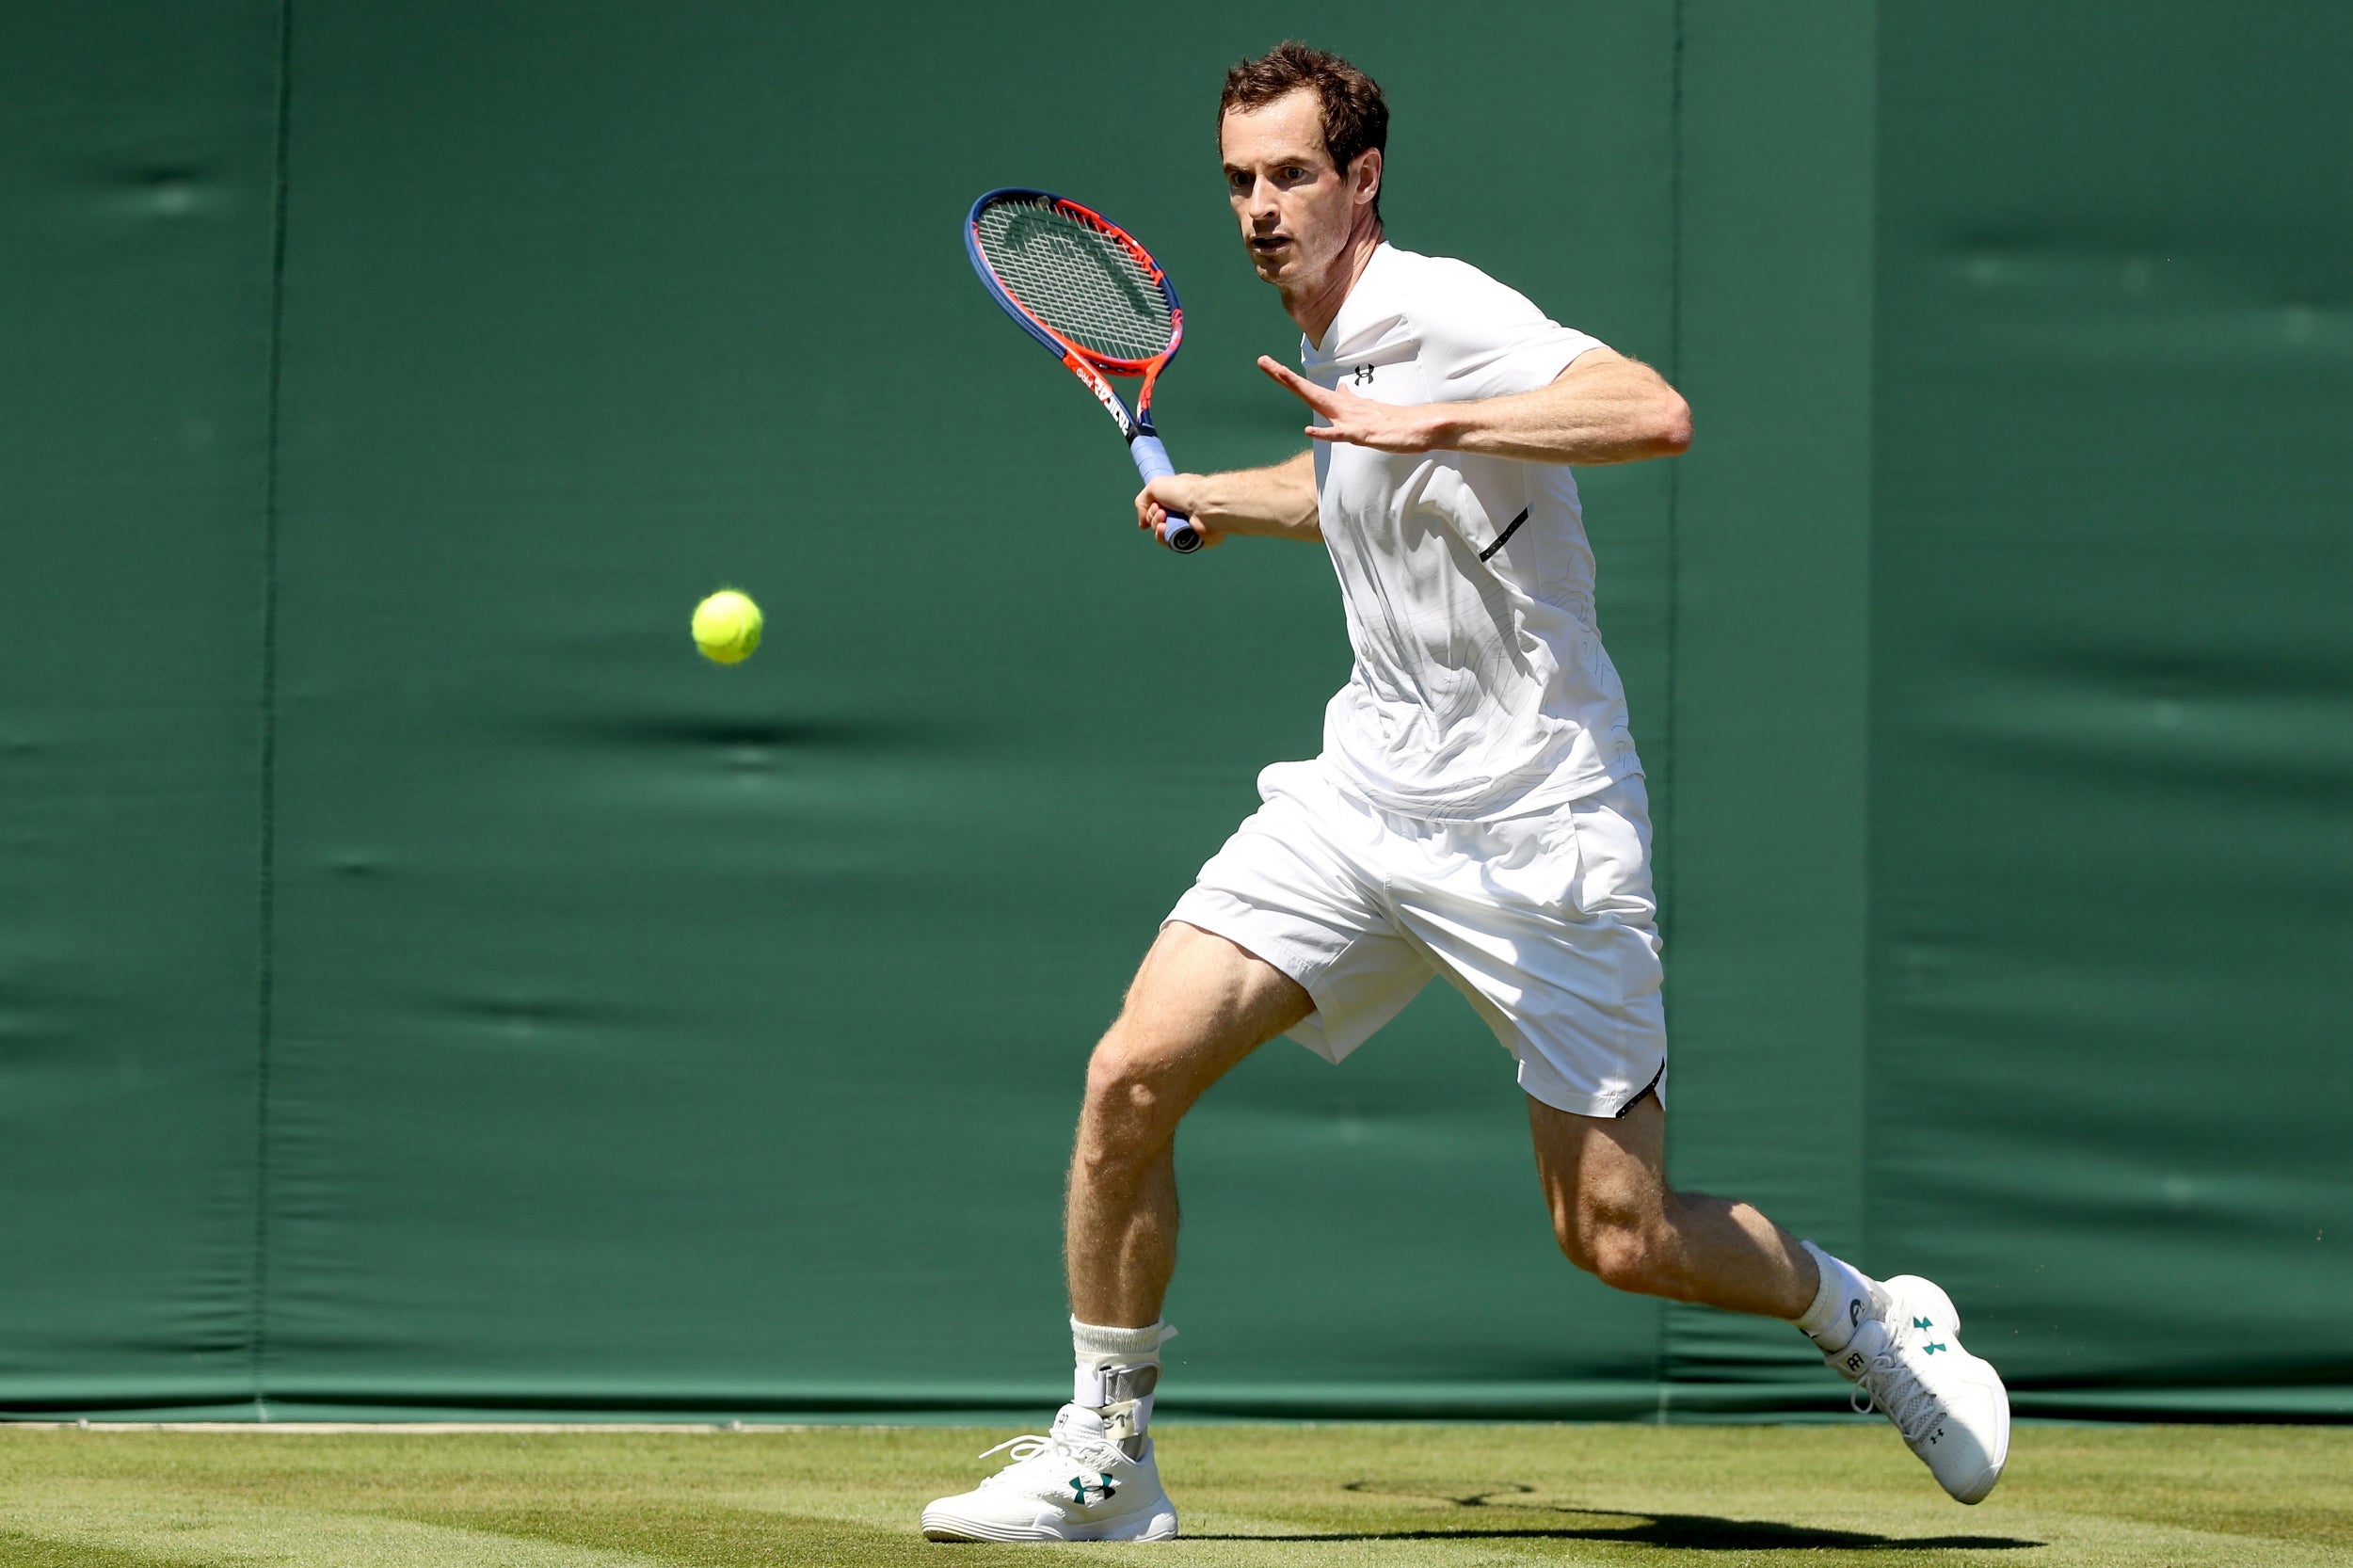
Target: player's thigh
1199,1004
1605,1178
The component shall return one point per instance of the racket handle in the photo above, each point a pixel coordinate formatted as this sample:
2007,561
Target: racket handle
1178,532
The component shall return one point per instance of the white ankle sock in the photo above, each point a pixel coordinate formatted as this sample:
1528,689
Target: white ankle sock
1117,1369
1841,1303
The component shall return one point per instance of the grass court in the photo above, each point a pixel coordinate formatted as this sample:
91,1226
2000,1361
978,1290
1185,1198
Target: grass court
1274,1494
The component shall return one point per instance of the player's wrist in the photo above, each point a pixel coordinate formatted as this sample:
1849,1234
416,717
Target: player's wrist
1199,498
1441,426
1220,500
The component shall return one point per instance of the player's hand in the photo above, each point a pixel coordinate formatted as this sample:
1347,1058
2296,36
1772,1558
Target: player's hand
1180,493
1359,420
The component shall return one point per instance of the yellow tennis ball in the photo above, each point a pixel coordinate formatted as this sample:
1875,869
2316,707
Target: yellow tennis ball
727,627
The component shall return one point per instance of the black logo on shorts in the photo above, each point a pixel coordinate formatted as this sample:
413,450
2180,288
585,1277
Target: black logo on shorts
1363,377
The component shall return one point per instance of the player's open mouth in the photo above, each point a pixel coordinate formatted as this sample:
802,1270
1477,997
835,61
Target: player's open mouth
1267,245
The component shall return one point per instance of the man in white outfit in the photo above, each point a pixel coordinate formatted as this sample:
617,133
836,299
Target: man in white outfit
1477,812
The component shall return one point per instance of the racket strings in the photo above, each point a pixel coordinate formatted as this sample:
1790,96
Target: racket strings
1075,279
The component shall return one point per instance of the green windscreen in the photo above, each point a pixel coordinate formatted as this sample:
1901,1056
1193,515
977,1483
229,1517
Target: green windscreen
2112,692
427,986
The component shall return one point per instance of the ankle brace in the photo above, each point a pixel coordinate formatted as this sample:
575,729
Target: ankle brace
1117,1369
1123,1396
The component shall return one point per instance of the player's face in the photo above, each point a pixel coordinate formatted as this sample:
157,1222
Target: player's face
1296,210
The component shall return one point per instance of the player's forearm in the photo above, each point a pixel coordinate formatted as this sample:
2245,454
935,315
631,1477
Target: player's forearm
1604,408
1621,411
1275,503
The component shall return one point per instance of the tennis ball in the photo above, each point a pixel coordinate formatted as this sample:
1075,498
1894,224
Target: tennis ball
727,627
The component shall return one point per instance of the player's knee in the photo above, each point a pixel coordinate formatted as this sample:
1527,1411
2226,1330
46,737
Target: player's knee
1619,1248
1125,1102
1628,1260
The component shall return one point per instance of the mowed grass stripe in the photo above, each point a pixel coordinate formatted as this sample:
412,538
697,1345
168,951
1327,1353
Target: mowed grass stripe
19,1550
119,1520
1272,1495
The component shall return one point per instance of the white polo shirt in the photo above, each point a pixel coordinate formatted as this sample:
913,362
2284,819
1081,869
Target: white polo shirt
1481,689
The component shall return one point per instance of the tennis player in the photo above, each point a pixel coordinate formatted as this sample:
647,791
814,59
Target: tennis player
1477,812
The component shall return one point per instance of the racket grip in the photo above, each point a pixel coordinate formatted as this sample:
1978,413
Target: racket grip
1178,533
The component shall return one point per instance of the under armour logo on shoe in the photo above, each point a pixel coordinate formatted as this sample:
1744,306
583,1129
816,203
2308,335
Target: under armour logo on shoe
1922,1322
1102,1486
1930,1349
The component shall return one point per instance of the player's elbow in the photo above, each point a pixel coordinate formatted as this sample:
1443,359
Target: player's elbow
1672,424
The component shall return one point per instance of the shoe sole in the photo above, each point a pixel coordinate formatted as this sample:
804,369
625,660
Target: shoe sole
940,1526
1977,1490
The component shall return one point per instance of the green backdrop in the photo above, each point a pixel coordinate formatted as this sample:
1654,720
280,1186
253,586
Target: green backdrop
425,986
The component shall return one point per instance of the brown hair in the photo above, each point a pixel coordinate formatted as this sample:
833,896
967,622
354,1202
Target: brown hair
1356,116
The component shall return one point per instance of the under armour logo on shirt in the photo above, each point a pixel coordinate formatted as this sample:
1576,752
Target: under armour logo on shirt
1363,377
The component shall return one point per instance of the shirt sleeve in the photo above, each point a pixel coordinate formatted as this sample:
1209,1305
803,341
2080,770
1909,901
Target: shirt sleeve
1484,339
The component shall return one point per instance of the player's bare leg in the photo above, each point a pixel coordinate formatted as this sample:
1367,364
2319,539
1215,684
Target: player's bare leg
1197,1006
1617,1219
1899,1341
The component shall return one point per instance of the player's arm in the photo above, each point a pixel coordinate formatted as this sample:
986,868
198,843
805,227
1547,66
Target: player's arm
1604,408
1278,502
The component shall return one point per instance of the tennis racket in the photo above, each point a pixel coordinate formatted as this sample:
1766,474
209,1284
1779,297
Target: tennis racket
1081,285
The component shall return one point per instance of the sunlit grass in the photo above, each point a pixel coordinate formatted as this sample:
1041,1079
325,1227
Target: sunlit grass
1248,1495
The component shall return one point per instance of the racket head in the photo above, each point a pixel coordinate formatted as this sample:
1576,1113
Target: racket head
1074,280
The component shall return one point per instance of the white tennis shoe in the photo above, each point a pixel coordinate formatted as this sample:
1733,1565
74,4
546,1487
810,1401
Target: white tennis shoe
1072,1484
1950,1406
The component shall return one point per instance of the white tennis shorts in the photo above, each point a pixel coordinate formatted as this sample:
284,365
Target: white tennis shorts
1546,922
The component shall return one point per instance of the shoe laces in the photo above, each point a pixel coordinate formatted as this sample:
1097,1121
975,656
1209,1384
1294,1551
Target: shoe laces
1889,1385
1061,1447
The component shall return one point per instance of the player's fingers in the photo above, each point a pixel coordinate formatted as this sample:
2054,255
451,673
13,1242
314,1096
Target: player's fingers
1172,495
1289,379
1298,386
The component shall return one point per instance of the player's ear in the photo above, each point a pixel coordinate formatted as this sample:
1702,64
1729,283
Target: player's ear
1364,176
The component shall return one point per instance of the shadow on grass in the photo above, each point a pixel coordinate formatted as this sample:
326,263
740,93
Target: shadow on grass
1701,1532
